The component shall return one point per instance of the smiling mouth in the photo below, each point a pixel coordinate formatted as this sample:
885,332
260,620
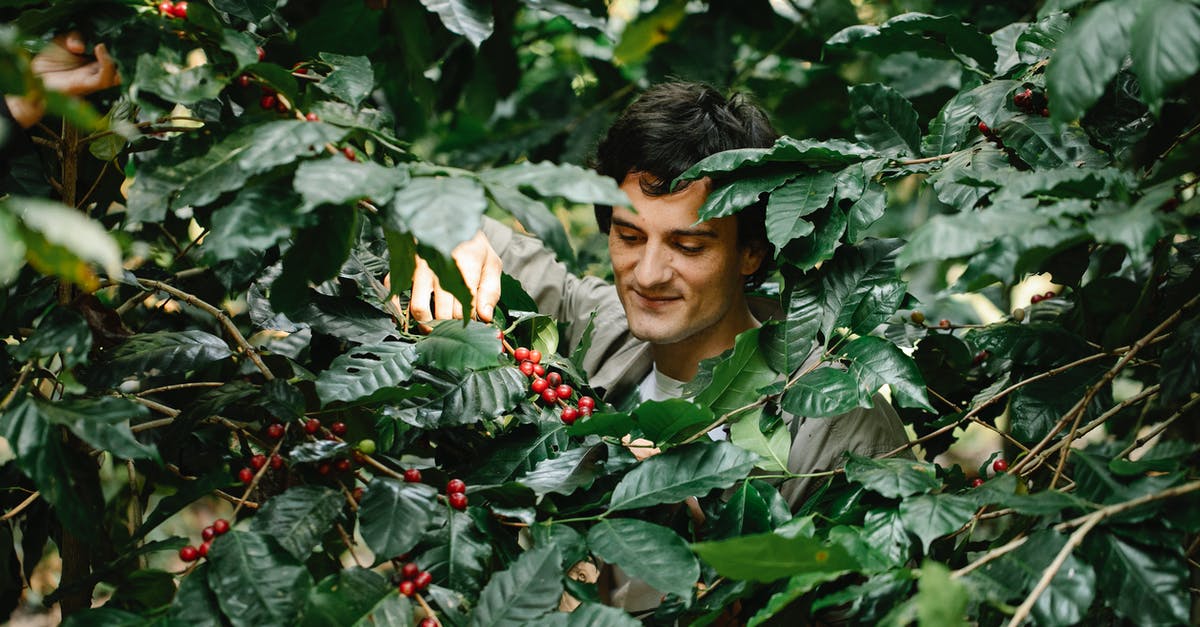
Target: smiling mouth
655,300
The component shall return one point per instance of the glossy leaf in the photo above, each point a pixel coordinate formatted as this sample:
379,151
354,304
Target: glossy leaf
590,615
102,423
195,603
534,215
347,597
1153,580
892,477
461,400
686,471
255,581
875,361
550,180
257,218
672,420
165,352
299,517
349,79
1165,47
366,371
646,551
885,120
440,211
790,203
61,332
571,470
944,37
1071,591
829,153
338,181
772,450
456,346
470,18
732,197
1087,58
931,516
824,392
766,557
394,515
1040,144
735,378
523,593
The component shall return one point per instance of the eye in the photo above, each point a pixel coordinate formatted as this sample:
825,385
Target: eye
689,249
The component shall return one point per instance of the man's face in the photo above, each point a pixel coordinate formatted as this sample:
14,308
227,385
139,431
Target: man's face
677,279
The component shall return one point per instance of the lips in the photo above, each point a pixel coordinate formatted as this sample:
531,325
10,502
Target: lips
653,301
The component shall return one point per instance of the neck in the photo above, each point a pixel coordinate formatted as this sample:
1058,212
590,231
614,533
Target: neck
681,360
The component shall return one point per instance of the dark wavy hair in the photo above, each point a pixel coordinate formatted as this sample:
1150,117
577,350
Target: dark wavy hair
670,128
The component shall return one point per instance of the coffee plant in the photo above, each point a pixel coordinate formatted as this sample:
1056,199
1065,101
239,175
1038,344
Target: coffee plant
194,303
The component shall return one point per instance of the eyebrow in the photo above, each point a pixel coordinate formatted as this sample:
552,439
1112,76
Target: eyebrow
695,232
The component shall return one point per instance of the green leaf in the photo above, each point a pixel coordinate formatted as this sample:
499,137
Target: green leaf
672,420
962,234
787,345
466,555
1043,37
861,287
793,201
686,471
529,589
646,551
736,378
402,260
1138,230
1153,580
796,587
940,599
561,180
884,532
185,86
394,514
440,211
875,361
256,219
1180,373
165,352
744,513
350,79
194,603
772,450
12,247
455,346
348,597
535,216
885,120
104,617
299,517
817,154
608,423
1165,47
366,371
58,239
102,423
61,332
571,470
824,392
1087,58
338,181
648,31
462,400
470,18
730,198
766,557
931,516
806,253
255,581
938,37
892,477
950,127
351,319
1042,145
590,615
1072,589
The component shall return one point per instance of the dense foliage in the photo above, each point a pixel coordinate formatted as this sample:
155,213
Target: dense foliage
191,272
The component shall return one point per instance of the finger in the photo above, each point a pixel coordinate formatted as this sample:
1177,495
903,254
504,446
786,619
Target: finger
487,294
458,310
108,68
422,289
73,42
443,302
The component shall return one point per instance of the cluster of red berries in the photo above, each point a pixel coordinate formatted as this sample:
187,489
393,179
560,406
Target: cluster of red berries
413,579
1037,298
1031,102
456,493
998,466
173,9
550,386
246,474
190,553
270,100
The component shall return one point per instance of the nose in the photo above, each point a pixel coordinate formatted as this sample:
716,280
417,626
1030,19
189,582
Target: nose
653,266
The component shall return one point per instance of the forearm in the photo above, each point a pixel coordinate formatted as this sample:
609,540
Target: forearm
25,111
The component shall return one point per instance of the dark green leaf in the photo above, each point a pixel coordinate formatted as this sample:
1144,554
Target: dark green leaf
459,346
185,86
337,181
609,423
649,552
104,617
1138,230
1165,47
732,197
350,79
1180,373
772,450
766,557
195,604
394,514
950,127
255,581
102,423
686,471
316,255
461,400
61,332
807,252
564,180
885,120
672,420
529,589
931,516
299,517
571,470
165,352
892,477
744,513
875,361
736,378
468,552
940,599
1152,580
1087,58
256,219
861,287
440,211
1071,591
939,37
796,587
884,531
366,371
824,392
590,615
470,18
1042,145
961,234
534,216
348,597
350,319
791,203
818,154
318,450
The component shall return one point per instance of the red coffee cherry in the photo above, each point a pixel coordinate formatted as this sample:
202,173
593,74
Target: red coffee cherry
564,391
189,553
456,486
412,475
458,501
521,354
535,356
220,526
569,415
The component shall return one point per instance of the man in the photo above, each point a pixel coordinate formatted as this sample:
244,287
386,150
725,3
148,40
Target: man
679,286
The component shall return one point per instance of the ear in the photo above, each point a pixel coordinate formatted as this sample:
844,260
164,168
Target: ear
752,259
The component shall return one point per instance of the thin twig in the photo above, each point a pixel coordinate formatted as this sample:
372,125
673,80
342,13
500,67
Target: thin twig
722,420
181,386
1072,542
931,159
1162,426
156,406
1102,418
20,506
349,544
12,393
425,607
1179,140
257,477
151,424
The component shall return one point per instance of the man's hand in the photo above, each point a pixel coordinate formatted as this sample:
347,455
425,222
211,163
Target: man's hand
63,67
480,267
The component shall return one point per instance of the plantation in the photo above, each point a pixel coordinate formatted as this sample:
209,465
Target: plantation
216,407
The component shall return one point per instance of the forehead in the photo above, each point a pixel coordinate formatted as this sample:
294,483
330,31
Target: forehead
676,212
